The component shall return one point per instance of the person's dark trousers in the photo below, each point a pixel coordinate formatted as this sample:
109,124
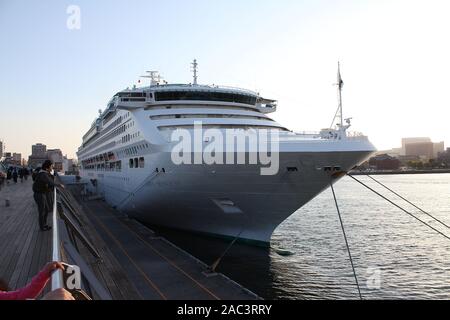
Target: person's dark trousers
41,201
49,198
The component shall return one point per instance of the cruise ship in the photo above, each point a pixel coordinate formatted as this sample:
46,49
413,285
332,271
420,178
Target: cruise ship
129,157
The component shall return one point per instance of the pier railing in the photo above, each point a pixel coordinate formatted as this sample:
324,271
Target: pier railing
67,236
57,277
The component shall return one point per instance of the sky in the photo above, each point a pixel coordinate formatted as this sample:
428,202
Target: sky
394,57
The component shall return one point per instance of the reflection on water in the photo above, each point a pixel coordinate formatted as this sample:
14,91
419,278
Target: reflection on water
395,256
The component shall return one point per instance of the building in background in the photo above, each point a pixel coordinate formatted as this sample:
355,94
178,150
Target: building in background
438,148
67,165
70,166
423,150
39,150
38,155
1,149
404,160
384,162
56,156
422,147
406,141
16,159
8,160
444,158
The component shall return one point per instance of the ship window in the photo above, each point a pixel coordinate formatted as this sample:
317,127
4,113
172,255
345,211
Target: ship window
199,115
132,99
131,94
141,162
131,163
205,96
136,164
159,107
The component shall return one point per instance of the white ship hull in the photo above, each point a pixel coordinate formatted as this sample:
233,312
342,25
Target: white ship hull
225,200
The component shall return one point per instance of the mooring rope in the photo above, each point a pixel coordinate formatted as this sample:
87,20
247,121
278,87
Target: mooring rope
396,205
406,200
345,237
213,266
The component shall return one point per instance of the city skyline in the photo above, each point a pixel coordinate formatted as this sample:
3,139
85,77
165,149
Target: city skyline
393,57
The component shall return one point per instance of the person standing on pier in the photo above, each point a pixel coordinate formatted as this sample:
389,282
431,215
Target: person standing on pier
26,173
8,175
15,175
42,186
21,174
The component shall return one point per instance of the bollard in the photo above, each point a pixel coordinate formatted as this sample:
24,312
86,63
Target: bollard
7,203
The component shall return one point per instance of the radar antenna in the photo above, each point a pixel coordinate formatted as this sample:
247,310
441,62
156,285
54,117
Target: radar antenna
195,69
154,76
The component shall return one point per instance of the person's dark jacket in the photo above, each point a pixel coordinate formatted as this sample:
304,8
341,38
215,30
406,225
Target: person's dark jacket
43,182
34,173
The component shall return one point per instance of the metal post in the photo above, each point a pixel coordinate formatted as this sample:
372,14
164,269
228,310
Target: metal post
340,85
57,281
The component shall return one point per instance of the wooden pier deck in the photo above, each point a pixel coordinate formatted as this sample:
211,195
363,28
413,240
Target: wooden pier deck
135,263
24,249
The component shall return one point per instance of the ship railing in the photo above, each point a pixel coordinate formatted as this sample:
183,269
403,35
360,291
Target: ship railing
349,134
253,93
67,237
354,135
211,86
307,133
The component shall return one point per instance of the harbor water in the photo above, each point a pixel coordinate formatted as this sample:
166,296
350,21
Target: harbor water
395,256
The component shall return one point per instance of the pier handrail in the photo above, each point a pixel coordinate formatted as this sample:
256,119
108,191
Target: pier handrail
57,276
65,249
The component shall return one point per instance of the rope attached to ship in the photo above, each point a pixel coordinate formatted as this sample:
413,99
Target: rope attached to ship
406,200
345,238
404,210
212,268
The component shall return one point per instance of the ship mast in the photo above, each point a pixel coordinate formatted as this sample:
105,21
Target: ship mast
194,69
339,113
340,86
